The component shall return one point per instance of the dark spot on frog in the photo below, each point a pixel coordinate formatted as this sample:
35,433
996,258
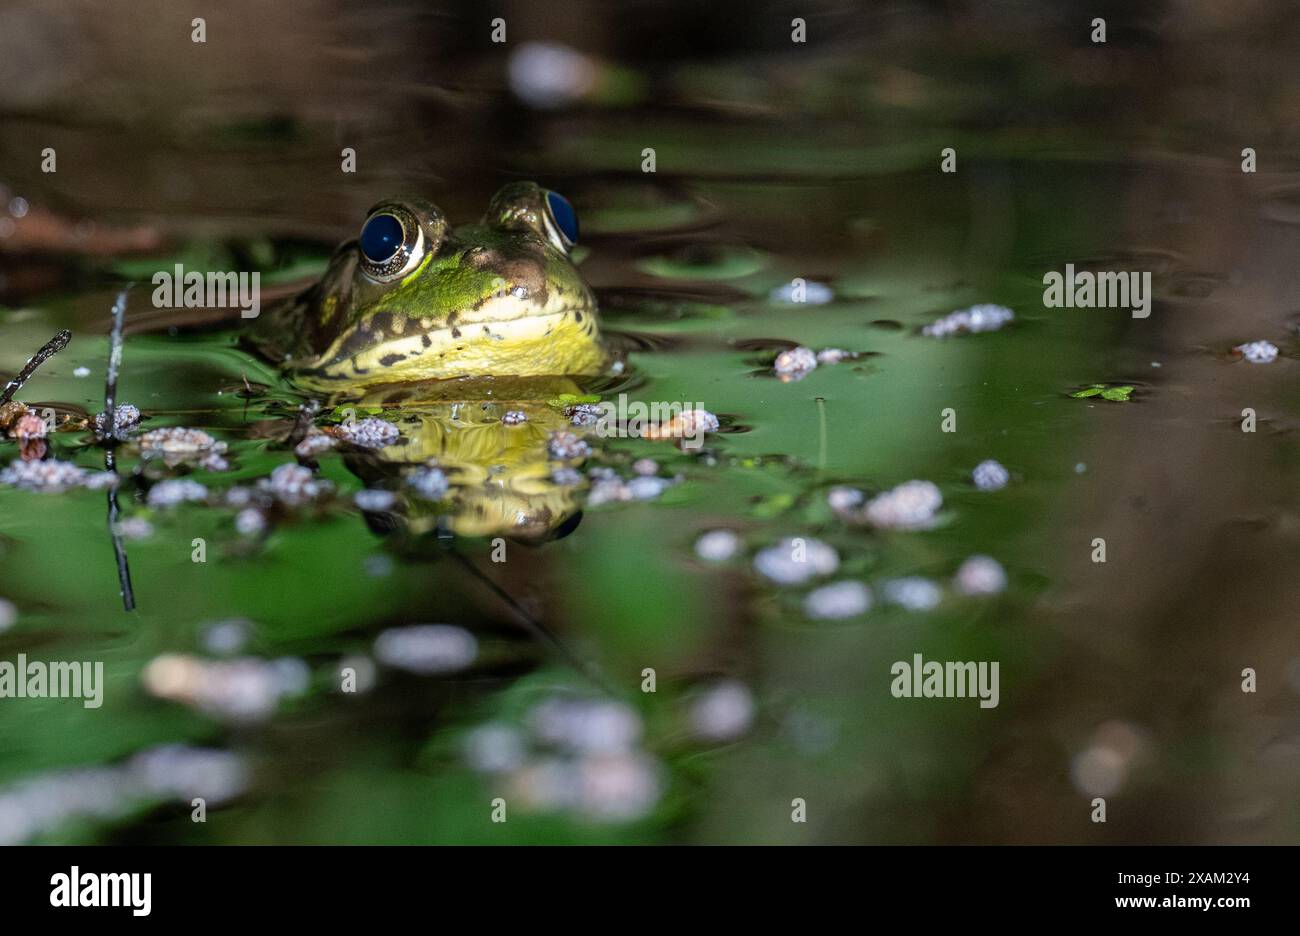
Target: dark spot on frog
388,360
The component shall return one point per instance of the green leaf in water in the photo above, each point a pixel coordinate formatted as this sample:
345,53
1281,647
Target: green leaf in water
1114,394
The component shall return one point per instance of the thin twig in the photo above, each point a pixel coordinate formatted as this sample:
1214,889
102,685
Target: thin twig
48,350
119,549
114,364
110,440
536,627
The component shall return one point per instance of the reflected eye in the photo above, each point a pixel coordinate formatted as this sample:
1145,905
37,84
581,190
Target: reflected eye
563,218
391,243
381,238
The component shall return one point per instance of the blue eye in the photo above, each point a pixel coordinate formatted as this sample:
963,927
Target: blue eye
381,238
565,218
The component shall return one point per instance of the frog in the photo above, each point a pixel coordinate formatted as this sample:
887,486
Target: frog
462,338
412,298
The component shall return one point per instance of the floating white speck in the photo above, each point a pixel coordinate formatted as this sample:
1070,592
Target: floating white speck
837,600
643,488
176,491
795,364
586,726
717,545
567,446
369,433
429,482
910,506
1258,352
990,476
547,75
427,649
495,748
793,561
374,499
81,372
912,593
980,575
722,712
977,318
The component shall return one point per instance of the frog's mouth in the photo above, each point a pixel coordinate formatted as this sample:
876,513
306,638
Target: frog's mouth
563,342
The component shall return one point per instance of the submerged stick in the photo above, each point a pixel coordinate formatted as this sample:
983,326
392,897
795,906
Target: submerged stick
48,350
110,439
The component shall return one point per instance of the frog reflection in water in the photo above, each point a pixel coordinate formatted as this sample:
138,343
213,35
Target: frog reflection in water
449,329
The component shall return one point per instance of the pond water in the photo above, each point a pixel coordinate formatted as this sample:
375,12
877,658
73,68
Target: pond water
280,678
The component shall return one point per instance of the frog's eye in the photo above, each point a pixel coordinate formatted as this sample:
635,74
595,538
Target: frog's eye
561,220
391,243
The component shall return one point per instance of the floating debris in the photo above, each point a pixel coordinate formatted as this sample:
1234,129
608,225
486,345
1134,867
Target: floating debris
547,75
48,477
38,805
250,522
175,491
81,372
575,755
246,689
495,748
177,445
977,318
607,490
133,528
1117,394
30,431
567,446
845,501
1102,768
293,485
374,499
717,545
125,416
8,614
646,488
226,638
618,787
910,506
722,712
989,475
514,418
913,593
793,561
427,649
429,481
689,424
831,356
795,364
1258,352
568,477
586,726
980,575
645,466
585,414
837,600
368,433
314,443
